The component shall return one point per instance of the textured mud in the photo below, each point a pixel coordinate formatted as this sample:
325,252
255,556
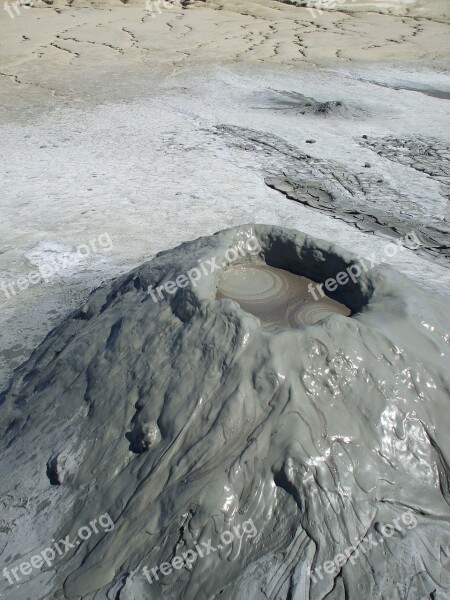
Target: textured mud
278,298
303,105
425,155
361,198
186,417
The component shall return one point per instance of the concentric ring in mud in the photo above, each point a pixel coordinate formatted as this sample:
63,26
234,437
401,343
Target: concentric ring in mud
277,297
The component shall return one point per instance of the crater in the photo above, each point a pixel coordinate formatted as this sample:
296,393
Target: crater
280,299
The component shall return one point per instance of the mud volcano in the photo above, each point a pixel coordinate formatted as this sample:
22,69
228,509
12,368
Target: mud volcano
184,414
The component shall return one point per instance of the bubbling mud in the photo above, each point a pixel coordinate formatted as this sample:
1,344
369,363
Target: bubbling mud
277,297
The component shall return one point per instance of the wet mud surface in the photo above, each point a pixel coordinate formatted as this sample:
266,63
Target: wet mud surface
184,418
278,298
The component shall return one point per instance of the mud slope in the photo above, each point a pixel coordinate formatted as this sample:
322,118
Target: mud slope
185,417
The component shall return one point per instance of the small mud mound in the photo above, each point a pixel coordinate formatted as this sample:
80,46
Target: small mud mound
303,105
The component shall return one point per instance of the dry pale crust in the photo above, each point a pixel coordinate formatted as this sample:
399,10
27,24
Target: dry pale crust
45,49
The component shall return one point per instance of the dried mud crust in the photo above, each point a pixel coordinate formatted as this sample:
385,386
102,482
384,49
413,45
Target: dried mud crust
427,155
365,200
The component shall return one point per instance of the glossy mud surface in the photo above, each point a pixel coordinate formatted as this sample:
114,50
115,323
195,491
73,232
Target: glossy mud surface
184,418
278,298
